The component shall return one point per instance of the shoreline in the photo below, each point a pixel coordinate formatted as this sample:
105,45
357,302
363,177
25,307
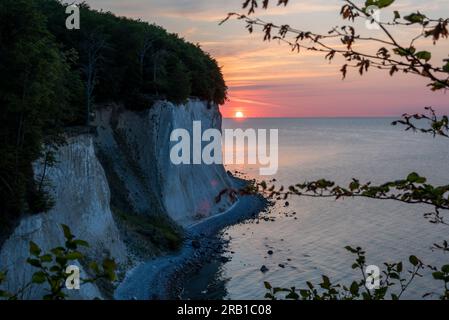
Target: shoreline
163,278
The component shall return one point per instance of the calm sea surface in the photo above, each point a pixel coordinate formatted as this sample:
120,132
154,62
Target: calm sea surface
313,243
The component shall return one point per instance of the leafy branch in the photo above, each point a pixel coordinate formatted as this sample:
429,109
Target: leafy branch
391,56
52,268
392,283
437,126
412,190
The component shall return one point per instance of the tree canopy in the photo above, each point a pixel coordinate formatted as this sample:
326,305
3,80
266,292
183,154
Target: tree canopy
52,77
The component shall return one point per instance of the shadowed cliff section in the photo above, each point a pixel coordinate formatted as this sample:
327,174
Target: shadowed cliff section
52,78
118,190
110,179
79,187
135,147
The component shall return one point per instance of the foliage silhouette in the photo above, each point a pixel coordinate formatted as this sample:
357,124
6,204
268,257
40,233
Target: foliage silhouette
393,57
52,78
52,267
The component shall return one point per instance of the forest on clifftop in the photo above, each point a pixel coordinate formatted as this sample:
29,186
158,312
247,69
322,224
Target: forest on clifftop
52,77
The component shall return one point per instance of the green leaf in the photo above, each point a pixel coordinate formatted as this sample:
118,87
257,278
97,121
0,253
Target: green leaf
310,285
445,268
34,262
277,290
424,55
67,233
379,3
404,52
438,275
354,288
81,243
46,258
55,269
109,266
269,296
57,251
267,285
304,293
438,85
413,177
354,185
414,260
397,15
62,261
94,267
415,18
446,67
326,281
71,245
394,276
351,249
38,277
34,249
74,256
421,180
385,3
292,296
4,294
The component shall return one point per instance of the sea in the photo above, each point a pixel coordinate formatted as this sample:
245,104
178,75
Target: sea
307,238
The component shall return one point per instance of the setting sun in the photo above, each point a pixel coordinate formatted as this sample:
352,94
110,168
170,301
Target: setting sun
239,114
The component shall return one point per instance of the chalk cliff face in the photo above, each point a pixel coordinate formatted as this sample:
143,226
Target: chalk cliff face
128,158
189,191
81,192
137,145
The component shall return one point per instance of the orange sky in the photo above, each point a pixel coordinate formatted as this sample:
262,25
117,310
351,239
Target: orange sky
267,80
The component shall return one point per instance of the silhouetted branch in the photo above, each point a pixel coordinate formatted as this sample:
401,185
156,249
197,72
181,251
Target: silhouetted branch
393,56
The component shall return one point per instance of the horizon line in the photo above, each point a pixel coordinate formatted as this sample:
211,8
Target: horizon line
316,117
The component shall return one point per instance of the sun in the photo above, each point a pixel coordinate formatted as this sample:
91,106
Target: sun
239,114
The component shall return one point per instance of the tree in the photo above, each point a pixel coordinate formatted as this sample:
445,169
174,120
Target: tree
51,78
147,44
35,94
160,73
178,80
393,57
92,47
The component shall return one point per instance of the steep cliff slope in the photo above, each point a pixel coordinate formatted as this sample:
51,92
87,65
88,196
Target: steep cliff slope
136,146
81,193
116,187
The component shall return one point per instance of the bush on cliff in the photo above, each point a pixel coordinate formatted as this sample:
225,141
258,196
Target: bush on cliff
51,77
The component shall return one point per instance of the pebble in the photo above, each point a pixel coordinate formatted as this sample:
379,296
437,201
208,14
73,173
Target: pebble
196,244
264,269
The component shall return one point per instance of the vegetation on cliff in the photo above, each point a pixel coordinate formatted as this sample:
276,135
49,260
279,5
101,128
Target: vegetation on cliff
51,77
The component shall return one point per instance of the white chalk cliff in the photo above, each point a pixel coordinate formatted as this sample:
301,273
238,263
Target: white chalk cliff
81,192
138,146
128,157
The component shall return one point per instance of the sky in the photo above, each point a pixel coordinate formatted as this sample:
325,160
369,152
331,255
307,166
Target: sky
266,79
